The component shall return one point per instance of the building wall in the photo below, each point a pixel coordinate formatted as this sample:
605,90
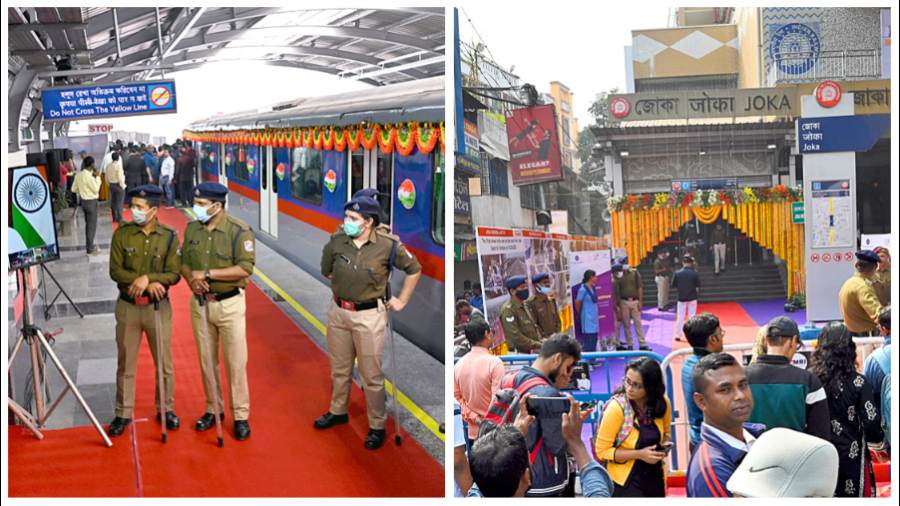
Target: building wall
680,52
565,115
749,57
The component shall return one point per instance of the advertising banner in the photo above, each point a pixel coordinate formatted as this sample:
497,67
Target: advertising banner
534,155
104,101
600,262
548,253
492,132
501,253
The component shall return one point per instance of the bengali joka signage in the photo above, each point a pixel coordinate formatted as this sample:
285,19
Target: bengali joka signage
870,97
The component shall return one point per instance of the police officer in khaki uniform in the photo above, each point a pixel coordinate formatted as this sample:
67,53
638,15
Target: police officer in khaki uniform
858,300
881,282
218,255
521,332
358,260
628,294
542,306
144,263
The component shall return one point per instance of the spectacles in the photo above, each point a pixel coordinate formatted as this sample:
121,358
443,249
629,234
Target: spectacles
632,384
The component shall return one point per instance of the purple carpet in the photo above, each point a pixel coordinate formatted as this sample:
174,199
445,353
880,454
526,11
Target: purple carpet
761,311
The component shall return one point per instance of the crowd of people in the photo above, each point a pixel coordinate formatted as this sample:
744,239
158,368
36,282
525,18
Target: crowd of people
86,182
818,429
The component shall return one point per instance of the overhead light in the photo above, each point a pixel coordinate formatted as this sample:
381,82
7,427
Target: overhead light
702,153
623,153
771,146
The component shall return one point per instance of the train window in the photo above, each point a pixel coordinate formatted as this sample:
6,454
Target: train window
437,199
238,155
357,169
384,181
306,174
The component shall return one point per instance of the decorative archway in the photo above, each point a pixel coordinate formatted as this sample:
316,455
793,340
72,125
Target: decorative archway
642,222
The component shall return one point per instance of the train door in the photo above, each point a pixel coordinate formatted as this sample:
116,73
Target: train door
268,193
373,169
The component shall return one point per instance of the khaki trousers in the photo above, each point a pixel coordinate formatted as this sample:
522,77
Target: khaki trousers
662,291
360,335
631,311
131,323
228,330
719,251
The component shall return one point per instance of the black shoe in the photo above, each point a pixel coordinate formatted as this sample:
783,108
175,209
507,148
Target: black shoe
622,347
375,439
172,421
241,429
329,420
117,426
207,421
646,348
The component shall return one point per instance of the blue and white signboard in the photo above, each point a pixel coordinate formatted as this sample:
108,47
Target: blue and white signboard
108,100
840,133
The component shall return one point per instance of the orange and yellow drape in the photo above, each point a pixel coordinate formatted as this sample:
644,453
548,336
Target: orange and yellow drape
403,137
639,231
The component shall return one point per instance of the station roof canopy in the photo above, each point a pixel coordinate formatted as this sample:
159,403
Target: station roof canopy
104,45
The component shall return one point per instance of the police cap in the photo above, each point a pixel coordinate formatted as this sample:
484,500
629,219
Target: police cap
617,267
146,191
210,190
540,277
867,255
514,281
366,206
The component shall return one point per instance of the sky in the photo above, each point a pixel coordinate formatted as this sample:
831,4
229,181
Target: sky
225,88
581,46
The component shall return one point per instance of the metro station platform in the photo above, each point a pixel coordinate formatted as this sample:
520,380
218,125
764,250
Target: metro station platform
289,383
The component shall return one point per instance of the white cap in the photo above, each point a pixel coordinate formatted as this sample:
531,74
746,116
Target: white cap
787,463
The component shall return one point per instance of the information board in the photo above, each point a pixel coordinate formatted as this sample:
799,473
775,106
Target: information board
832,210
108,100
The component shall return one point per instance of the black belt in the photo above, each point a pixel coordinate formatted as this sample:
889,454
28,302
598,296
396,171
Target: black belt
349,305
139,301
219,297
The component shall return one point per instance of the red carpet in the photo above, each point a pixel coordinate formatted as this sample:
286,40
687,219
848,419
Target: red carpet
285,456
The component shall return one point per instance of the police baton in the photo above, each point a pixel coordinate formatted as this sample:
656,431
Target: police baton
160,380
207,359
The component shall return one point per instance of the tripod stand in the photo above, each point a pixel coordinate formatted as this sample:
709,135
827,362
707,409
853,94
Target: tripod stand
62,291
33,337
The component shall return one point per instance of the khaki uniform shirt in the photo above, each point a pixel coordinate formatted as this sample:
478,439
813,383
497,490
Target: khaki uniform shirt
545,312
628,286
521,332
230,243
361,274
134,253
881,283
662,267
859,304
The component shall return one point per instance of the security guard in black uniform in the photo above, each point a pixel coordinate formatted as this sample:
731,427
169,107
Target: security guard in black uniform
358,261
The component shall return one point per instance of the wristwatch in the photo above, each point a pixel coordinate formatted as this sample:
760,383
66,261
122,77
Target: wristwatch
207,276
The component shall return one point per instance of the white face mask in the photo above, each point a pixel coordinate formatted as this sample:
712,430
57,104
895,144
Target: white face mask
619,274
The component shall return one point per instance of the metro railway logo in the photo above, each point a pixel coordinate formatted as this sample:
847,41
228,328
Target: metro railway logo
620,107
330,180
795,48
406,193
828,93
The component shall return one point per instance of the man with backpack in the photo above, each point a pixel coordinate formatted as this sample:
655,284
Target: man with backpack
877,370
546,444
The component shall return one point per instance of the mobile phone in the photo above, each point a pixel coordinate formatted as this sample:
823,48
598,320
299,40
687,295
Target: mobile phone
663,447
588,405
547,406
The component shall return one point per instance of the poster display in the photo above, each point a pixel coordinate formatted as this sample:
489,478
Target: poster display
30,229
534,155
832,214
600,261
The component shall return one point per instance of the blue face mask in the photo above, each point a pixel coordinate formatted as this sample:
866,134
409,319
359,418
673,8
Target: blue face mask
138,216
352,228
544,290
202,213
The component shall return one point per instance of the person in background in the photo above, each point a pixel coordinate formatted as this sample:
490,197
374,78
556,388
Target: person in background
87,187
67,170
759,344
628,294
787,396
881,282
477,375
586,309
115,177
107,158
184,176
477,299
723,394
462,475
542,306
855,421
615,341
705,335
135,169
152,163
634,434
858,300
662,270
167,175
877,370
719,247
519,329
687,284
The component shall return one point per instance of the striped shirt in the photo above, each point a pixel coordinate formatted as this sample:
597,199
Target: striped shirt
716,458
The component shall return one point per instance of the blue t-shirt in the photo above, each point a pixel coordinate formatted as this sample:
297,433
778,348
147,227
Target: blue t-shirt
695,415
477,301
590,320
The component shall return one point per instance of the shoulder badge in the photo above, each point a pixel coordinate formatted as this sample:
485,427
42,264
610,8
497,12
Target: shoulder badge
248,246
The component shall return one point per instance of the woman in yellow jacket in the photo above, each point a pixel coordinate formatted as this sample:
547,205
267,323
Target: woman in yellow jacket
634,435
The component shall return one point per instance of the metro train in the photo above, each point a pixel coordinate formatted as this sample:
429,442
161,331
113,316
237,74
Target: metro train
291,168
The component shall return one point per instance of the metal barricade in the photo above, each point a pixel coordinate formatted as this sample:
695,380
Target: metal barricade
682,422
